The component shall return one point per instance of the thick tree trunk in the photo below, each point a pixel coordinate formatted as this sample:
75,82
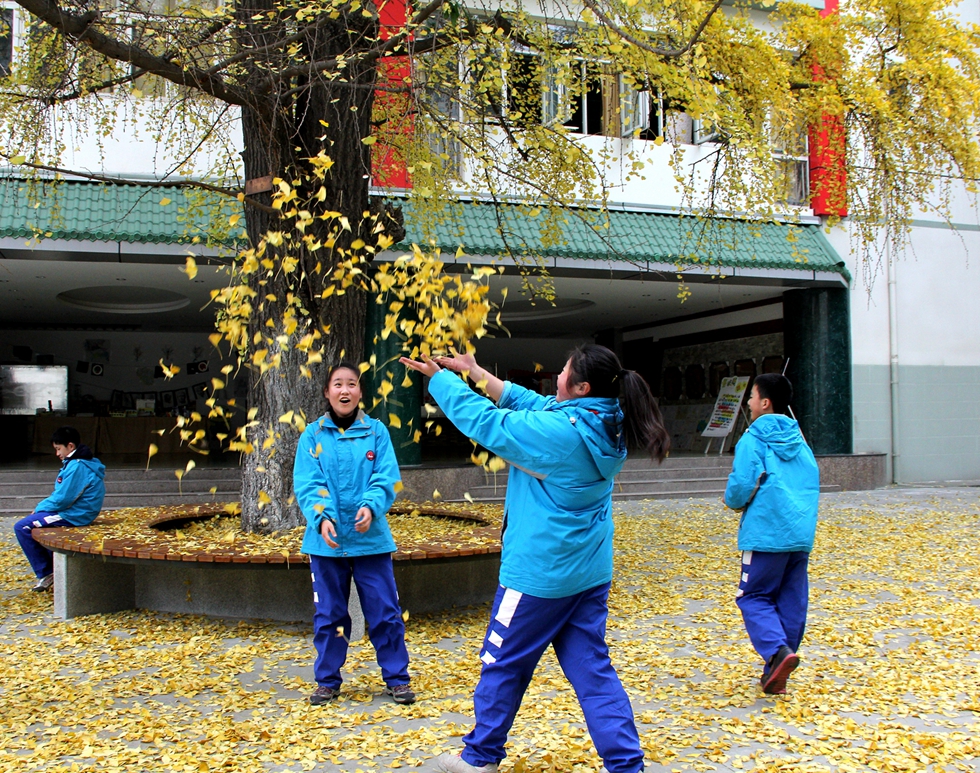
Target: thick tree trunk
334,117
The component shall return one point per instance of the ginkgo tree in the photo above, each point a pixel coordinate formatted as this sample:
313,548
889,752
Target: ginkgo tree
332,97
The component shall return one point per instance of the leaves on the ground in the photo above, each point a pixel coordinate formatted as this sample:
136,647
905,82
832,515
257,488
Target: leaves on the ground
889,679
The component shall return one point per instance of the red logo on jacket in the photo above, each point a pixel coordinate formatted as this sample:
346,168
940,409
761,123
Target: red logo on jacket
370,456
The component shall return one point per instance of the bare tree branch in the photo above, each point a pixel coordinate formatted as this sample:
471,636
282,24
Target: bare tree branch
389,46
80,28
670,53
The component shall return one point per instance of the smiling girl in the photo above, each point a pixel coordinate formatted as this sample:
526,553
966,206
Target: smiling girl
344,477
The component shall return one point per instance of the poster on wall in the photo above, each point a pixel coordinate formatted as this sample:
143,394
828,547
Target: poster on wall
97,350
725,412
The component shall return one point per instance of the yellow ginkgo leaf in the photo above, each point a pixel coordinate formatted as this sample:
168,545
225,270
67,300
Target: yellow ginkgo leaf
394,420
190,267
151,452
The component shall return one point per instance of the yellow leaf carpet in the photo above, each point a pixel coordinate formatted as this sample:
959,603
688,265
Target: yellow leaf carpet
888,682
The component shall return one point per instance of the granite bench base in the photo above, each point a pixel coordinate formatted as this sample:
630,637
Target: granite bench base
86,584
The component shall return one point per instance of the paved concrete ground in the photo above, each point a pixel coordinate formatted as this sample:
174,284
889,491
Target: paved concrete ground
890,678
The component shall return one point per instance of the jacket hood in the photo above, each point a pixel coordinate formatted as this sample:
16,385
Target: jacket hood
599,421
82,452
781,433
94,465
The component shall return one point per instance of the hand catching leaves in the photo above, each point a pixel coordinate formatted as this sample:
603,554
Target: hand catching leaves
426,367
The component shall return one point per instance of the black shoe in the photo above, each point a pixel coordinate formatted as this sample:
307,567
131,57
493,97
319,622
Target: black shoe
778,669
401,693
323,694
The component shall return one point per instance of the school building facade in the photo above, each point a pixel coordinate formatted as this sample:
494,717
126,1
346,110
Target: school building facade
885,358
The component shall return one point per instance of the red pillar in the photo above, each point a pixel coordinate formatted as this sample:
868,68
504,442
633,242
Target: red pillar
828,167
388,166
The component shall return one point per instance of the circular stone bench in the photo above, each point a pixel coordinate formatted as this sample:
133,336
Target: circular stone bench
97,571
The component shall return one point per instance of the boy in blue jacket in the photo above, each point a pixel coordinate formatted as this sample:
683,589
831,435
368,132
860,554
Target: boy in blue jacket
775,482
76,501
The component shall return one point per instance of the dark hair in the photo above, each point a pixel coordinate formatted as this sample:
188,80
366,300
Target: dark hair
342,365
643,424
65,435
775,388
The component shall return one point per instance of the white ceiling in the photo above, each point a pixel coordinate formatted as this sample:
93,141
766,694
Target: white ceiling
588,299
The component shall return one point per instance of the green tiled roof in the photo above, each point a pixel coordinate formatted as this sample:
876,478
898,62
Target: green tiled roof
637,237
89,211
134,213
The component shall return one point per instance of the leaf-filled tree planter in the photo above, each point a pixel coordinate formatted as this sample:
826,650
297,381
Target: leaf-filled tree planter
447,556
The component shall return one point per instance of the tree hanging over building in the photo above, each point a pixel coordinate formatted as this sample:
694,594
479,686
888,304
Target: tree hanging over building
331,97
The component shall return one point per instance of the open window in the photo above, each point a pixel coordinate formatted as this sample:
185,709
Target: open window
602,102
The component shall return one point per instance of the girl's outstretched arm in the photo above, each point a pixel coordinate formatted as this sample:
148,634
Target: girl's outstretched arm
483,378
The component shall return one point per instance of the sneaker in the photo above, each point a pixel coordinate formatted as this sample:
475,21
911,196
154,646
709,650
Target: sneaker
401,693
778,669
44,583
453,763
323,694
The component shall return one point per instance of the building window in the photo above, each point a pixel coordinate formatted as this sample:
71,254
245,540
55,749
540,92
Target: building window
601,102
6,39
791,153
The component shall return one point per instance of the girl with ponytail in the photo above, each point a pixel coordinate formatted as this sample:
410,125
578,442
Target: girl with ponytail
557,553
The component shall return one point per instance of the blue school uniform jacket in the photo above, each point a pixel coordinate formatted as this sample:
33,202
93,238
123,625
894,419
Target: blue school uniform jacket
782,516
78,490
558,529
337,473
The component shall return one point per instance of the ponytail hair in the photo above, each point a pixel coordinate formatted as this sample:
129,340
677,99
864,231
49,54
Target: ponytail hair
643,424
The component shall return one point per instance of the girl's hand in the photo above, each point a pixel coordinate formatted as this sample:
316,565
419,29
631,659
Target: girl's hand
362,521
459,363
426,367
329,533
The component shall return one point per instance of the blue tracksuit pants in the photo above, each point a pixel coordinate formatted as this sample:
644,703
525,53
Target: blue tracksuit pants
521,628
40,558
773,595
375,581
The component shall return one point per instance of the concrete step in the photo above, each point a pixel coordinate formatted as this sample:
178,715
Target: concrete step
638,461
46,476
680,494
21,506
189,483
628,487
676,473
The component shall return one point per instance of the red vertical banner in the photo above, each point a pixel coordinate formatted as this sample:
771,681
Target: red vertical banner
828,159
392,103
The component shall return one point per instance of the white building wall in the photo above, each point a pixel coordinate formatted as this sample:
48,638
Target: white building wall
934,412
